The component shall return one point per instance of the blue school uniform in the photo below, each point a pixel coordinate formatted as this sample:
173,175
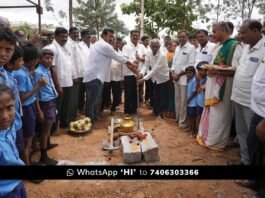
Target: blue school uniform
9,156
201,96
192,88
25,84
8,79
48,92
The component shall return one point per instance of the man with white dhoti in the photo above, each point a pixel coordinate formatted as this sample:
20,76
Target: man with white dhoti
216,119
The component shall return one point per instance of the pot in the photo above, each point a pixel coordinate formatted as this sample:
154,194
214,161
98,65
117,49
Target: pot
127,125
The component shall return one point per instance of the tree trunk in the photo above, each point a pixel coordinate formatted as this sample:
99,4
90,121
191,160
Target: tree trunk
70,13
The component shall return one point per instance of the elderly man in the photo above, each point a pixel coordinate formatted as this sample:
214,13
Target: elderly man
184,56
99,67
214,128
251,58
64,69
4,22
159,73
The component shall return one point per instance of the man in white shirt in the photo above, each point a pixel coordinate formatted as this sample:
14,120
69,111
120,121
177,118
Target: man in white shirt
116,77
79,61
163,48
135,53
85,46
159,74
98,68
256,135
64,69
184,56
250,60
205,50
148,84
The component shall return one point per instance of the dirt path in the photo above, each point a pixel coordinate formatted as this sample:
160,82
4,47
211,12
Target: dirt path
175,147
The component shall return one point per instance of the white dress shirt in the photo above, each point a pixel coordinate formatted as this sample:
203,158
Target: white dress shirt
159,72
130,51
84,49
184,56
248,65
204,54
77,56
63,63
99,61
258,91
116,70
163,49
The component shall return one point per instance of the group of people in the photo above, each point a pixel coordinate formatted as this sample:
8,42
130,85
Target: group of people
204,82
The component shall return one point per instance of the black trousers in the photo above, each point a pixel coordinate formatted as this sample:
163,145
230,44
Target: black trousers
81,103
160,98
106,100
116,92
256,149
149,91
130,95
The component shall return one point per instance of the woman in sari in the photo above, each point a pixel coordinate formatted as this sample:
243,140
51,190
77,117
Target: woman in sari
216,119
171,90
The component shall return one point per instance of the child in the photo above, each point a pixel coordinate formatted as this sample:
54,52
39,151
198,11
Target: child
47,99
15,64
191,99
201,81
8,152
27,90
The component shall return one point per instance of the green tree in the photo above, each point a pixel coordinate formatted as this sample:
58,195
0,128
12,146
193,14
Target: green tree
97,14
171,15
25,27
49,7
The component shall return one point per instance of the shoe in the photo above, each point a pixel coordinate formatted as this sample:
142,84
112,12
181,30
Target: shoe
51,146
36,181
247,184
48,161
235,163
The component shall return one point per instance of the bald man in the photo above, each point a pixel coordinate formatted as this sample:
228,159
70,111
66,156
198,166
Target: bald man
4,22
159,74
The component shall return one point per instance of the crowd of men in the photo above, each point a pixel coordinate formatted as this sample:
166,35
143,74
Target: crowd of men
205,82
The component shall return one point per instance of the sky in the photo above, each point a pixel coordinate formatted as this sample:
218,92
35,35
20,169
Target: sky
29,14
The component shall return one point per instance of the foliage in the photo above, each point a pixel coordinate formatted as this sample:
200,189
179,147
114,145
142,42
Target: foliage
243,9
171,15
49,7
25,27
97,14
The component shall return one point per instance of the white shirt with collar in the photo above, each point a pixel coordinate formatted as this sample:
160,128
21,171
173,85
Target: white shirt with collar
130,51
116,70
184,56
159,72
258,90
77,56
248,65
164,49
84,49
204,54
99,61
63,63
